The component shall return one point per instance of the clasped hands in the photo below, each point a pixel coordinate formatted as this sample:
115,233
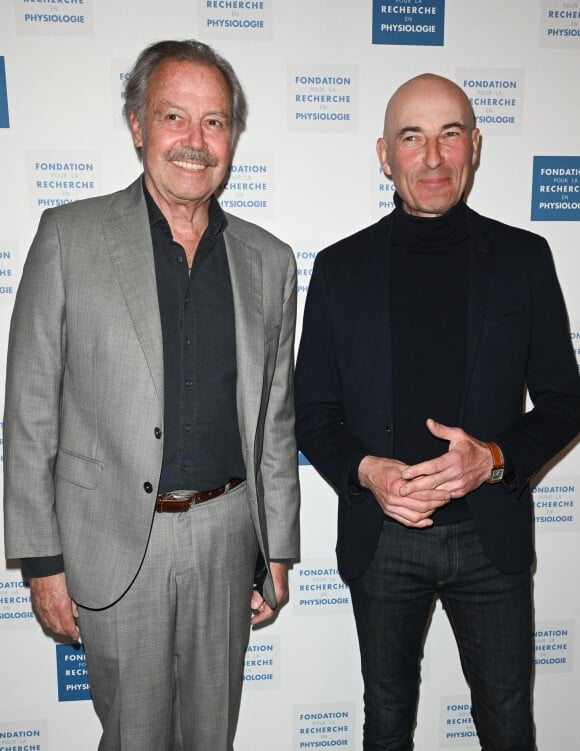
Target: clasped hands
411,493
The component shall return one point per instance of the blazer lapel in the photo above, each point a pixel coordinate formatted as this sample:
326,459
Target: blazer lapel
128,238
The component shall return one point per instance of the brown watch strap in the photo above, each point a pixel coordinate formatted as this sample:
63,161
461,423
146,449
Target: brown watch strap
496,454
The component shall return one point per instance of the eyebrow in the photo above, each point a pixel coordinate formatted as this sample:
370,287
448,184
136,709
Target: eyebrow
171,104
418,129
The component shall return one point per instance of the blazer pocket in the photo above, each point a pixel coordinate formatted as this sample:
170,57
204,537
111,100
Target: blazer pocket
78,470
500,318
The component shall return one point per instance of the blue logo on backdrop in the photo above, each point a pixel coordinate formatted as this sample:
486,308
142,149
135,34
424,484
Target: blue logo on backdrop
15,600
385,191
4,118
7,283
262,663
249,184
236,18
559,22
324,726
554,504
323,97
456,722
304,265
318,588
554,647
497,96
24,735
418,22
556,189
49,17
71,668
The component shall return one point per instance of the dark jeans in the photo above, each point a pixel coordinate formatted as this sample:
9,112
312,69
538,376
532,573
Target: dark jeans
491,617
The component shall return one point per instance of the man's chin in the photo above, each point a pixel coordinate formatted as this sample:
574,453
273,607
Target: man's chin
433,206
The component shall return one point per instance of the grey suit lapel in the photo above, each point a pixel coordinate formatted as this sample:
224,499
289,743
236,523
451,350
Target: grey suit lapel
128,238
246,274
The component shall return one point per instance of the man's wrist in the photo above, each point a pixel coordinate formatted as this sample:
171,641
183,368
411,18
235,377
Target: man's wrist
498,463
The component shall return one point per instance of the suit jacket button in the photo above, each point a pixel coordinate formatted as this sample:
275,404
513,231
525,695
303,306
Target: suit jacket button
157,432
148,487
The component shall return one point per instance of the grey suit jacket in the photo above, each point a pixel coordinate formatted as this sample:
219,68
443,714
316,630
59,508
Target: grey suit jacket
84,392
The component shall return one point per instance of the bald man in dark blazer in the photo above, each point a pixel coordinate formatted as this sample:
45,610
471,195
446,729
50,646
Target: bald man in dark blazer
421,334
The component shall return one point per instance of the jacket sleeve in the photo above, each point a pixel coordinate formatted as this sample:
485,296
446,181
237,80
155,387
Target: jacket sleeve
37,343
552,378
279,467
320,429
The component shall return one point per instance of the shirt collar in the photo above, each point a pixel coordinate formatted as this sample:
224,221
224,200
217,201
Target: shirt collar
217,221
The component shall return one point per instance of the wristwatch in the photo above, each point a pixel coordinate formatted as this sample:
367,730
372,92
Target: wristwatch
498,468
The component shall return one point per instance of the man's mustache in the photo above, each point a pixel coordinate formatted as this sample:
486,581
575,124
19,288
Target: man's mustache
182,154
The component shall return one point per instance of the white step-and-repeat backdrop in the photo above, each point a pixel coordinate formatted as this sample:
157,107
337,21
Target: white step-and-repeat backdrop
317,74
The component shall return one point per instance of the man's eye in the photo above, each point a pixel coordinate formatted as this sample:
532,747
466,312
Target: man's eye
216,124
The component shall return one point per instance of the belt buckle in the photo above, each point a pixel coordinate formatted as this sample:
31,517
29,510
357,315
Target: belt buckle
182,499
181,495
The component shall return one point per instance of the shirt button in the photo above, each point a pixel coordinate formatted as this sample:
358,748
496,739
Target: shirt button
187,428
147,487
157,432
179,259
189,384
187,340
185,468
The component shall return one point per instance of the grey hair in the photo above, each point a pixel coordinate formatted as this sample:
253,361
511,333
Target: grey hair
188,50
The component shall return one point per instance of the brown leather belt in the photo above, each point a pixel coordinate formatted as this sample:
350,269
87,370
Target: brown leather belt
183,500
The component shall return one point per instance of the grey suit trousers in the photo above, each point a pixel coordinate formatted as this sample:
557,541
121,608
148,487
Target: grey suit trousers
165,661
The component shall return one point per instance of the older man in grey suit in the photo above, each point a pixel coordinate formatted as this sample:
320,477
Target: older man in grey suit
150,456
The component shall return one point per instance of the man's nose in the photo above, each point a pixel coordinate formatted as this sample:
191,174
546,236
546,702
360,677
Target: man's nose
194,136
433,155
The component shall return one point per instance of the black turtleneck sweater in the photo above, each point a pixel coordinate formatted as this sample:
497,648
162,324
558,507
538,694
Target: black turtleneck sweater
428,292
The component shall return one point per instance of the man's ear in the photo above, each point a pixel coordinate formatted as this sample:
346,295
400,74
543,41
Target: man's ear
382,154
476,142
135,130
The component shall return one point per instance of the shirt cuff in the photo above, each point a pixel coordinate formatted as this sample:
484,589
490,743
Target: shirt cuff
41,566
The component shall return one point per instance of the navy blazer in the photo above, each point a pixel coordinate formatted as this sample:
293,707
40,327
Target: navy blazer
518,337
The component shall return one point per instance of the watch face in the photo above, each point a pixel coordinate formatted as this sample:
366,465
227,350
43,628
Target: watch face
496,475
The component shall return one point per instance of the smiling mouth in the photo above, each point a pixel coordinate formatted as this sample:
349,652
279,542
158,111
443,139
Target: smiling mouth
190,166
435,179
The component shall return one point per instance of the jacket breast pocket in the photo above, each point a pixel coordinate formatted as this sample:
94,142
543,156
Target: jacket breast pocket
78,470
503,333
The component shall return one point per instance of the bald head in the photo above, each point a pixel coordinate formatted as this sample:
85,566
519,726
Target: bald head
427,90
430,144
